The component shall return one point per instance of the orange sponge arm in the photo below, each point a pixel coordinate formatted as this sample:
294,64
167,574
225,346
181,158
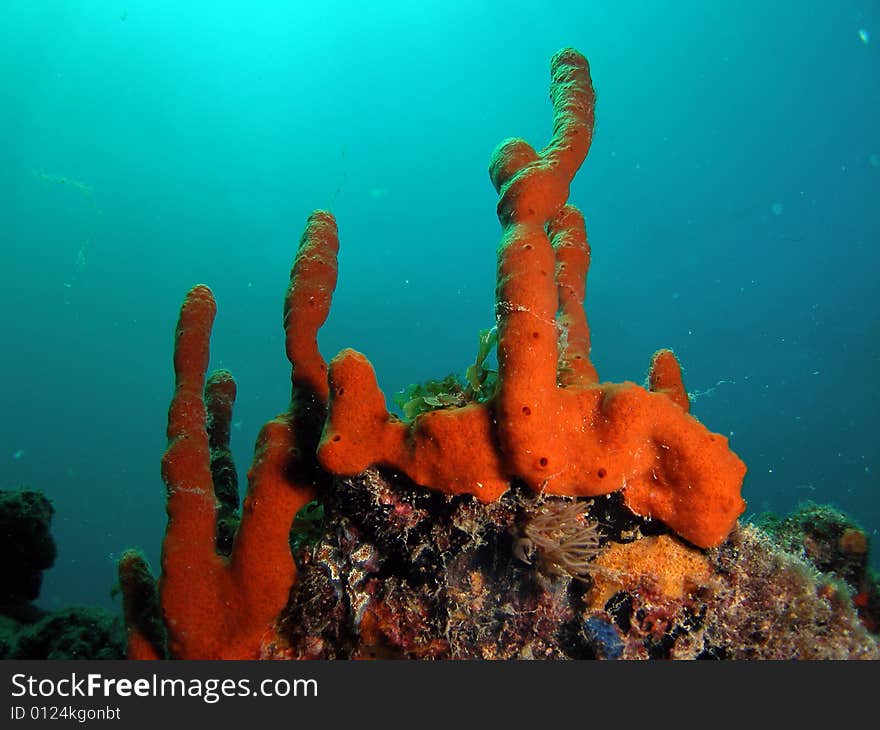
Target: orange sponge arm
533,189
307,303
188,548
665,377
569,238
214,607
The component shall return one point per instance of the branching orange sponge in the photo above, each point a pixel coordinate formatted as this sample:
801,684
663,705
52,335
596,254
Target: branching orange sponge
551,423
213,606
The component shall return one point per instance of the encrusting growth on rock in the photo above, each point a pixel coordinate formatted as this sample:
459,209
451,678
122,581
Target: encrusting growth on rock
661,565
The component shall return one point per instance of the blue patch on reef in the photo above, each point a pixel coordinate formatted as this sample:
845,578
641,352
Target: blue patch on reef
603,638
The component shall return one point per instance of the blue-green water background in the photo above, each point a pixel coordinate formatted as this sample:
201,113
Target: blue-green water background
731,197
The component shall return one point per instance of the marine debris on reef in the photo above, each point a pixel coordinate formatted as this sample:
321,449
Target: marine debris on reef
84,193
77,185
462,532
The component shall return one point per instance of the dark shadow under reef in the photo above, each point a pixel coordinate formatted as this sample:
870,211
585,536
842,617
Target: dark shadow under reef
27,631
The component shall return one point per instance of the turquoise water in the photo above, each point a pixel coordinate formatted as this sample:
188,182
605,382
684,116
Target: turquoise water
730,195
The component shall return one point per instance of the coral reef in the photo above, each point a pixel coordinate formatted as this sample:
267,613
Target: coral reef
462,531
26,631
833,543
26,545
773,605
70,633
403,573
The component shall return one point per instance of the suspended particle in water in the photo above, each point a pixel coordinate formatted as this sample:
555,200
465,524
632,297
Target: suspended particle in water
864,36
777,208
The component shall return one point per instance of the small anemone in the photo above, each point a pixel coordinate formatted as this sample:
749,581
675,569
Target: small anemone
562,536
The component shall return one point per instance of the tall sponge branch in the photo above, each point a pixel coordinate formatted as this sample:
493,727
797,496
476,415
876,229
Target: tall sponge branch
214,606
307,302
533,189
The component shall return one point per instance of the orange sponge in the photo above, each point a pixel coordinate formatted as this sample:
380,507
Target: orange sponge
550,423
225,608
